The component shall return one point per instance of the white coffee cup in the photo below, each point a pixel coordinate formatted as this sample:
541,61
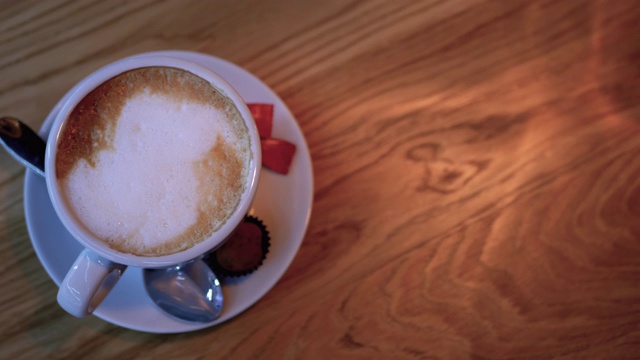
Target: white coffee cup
99,266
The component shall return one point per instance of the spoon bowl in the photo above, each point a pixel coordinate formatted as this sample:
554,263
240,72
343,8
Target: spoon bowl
189,292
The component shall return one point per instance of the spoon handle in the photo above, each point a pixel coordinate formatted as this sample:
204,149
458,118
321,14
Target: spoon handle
23,143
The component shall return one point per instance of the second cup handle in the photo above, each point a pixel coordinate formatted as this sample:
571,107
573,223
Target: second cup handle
87,283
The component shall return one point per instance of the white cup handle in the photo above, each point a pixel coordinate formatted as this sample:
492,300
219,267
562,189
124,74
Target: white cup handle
87,283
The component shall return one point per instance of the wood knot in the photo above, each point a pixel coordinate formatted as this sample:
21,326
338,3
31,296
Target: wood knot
444,175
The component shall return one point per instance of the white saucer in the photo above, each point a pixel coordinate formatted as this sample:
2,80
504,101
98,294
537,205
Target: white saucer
283,202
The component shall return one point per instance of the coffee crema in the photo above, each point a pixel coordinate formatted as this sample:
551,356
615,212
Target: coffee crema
153,161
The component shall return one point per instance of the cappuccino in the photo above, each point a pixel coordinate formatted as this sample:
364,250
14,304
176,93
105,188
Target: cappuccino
153,161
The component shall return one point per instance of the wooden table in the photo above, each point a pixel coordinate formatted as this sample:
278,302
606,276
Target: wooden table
476,169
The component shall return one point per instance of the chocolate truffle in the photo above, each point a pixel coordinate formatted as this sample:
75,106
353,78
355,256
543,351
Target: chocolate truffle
243,252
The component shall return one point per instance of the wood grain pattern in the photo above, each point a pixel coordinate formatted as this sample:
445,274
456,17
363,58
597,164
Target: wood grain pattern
477,174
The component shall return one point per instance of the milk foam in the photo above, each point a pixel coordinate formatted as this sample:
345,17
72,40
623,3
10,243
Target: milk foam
144,190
